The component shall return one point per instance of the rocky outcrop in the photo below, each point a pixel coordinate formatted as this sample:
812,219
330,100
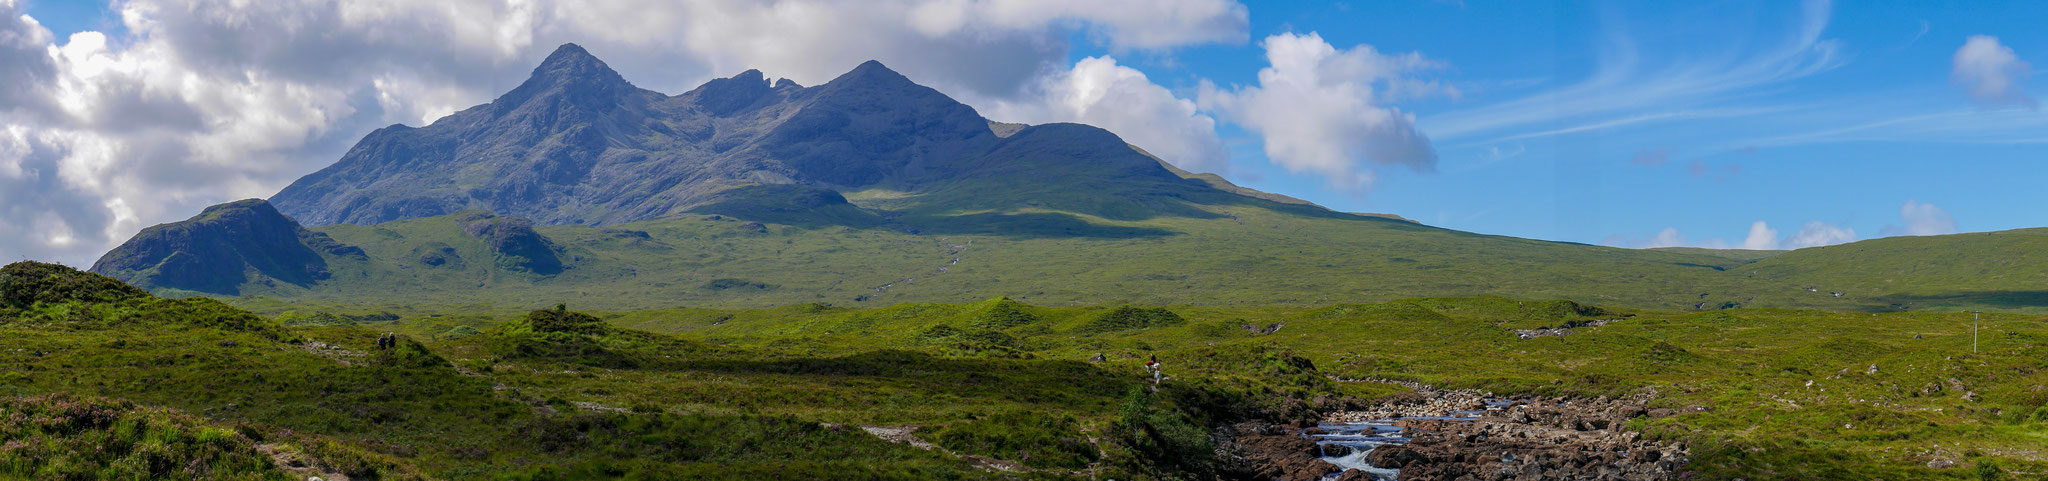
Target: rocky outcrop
1533,440
224,248
1565,330
1267,452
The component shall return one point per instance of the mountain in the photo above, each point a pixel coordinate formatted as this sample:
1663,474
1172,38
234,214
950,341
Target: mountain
223,248
578,186
578,144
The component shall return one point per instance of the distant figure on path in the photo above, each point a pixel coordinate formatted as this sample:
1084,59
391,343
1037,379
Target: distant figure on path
1158,370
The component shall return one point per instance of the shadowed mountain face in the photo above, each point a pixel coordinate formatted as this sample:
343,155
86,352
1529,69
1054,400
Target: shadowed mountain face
577,144
223,248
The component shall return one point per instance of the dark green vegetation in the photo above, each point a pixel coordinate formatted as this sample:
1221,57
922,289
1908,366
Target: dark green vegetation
784,392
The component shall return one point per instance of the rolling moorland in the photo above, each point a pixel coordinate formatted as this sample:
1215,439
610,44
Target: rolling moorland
790,391
867,280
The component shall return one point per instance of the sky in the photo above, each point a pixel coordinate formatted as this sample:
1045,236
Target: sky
1762,125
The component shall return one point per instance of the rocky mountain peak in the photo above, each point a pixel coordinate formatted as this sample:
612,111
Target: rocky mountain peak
571,73
726,95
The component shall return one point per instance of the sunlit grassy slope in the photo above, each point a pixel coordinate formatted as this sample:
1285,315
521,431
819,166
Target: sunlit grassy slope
2006,271
1239,256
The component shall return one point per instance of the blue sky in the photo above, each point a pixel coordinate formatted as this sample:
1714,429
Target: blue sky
1763,124
1893,62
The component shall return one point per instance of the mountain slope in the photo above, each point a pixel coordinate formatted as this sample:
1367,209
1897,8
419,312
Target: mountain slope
577,144
223,248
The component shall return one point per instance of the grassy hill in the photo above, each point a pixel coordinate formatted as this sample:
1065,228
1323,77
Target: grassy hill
1233,256
2003,271
1745,255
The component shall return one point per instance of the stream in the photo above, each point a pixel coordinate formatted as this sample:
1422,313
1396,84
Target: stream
1364,435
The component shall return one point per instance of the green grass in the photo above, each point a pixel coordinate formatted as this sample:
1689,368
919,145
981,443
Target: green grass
739,393
1231,255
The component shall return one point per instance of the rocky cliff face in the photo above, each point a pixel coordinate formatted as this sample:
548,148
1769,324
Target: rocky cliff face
222,248
577,144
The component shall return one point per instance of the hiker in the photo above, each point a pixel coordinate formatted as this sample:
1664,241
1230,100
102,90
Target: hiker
1158,370
385,341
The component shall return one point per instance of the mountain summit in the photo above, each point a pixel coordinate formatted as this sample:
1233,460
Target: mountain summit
578,144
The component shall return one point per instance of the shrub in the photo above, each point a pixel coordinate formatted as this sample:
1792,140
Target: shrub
1164,439
59,437
411,354
1035,439
561,319
27,283
1004,314
1129,318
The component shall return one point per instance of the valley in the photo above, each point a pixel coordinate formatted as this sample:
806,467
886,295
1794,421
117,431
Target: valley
865,279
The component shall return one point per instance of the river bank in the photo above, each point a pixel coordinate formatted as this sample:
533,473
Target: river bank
1435,434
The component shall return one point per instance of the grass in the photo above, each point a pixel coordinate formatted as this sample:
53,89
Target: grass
778,392
1231,255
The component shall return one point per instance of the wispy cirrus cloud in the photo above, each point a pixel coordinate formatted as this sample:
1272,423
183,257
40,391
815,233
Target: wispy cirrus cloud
1627,89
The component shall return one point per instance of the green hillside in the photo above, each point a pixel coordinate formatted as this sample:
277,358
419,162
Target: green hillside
1745,255
2002,271
1244,255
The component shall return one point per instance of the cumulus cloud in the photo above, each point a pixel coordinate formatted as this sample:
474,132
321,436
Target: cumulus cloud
1669,237
1991,74
1817,233
1916,218
204,101
26,69
1099,92
1321,109
1124,24
1761,237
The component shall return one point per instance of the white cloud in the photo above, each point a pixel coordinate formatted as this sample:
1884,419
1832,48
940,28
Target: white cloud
1125,24
1321,110
1817,233
1101,93
1916,218
1669,237
1761,237
1991,74
204,101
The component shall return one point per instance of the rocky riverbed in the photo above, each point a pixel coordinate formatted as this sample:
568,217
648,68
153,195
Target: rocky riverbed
1460,435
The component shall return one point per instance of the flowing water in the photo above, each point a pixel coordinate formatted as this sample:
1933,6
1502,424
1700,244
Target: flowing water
1365,435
